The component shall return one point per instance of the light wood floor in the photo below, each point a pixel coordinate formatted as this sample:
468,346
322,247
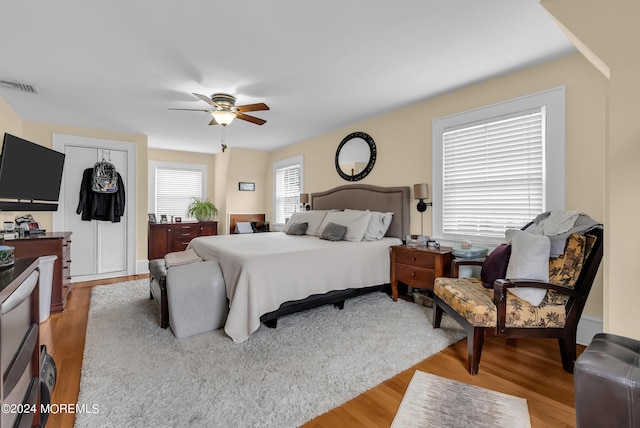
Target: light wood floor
528,368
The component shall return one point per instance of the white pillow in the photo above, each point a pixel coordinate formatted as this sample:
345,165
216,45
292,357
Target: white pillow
378,225
529,260
243,227
313,218
355,221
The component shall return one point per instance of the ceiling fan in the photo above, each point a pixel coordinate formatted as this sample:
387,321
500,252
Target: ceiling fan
224,109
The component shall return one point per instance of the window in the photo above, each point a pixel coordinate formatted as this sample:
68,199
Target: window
287,185
172,187
497,167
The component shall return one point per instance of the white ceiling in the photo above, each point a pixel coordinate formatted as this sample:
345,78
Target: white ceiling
119,65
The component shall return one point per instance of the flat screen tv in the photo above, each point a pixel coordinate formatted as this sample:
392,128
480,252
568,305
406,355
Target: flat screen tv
29,173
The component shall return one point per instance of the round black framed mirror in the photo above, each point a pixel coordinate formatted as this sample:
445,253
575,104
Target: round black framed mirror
355,156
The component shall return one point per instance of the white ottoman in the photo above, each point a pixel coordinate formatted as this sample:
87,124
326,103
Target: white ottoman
197,298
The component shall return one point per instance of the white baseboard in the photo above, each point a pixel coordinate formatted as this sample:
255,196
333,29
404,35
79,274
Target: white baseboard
588,327
142,266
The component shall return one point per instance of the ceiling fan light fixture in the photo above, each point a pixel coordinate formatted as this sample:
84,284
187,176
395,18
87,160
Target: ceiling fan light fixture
223,117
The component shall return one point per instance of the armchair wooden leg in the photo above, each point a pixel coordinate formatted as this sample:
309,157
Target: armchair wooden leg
437,313
568,350
475,340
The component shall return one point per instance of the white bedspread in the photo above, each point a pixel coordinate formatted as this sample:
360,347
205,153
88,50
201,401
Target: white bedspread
264,270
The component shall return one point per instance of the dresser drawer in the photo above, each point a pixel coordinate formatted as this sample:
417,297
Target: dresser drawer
184,234
179,245
415,277
416,258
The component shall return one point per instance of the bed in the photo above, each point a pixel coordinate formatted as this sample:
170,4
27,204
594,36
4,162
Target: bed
268,275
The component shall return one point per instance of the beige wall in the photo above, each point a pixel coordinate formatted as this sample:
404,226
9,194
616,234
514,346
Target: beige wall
403,140
10,122
222,167
609,30
247,166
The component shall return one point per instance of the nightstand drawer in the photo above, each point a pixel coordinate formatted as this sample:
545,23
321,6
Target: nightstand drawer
416,258
415,277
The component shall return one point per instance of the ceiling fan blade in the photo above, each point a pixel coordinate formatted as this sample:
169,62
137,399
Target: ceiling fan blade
213,122
191,109
251,119
253,107
206,99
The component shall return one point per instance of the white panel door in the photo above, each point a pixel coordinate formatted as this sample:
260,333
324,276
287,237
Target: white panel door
83,244
112,237
98,247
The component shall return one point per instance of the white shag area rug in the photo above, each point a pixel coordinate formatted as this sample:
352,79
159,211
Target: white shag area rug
140,375
434,401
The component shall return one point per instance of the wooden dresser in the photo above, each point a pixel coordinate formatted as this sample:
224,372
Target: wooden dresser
418,266
169,237
50,244
19,343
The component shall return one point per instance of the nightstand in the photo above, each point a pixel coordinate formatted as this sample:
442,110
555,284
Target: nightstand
418,266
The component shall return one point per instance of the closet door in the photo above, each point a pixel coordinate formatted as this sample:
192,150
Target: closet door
83,243
112,237
98,247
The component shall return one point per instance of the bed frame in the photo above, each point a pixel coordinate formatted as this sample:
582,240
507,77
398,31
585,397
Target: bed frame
355,197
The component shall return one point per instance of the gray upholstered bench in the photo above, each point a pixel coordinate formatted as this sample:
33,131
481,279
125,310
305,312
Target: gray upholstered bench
158,289
192,297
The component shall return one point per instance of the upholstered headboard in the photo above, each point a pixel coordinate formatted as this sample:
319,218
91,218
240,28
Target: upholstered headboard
368,197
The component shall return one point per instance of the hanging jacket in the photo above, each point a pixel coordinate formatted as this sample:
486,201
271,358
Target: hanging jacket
100,206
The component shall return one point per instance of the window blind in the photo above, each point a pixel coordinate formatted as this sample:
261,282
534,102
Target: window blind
287,191
175,189
493,175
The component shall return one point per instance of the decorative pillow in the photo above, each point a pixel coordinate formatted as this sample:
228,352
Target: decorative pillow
495,266
333,232
565,269
378,225
180,258
355,221
314,218
244,227
297,228
529,260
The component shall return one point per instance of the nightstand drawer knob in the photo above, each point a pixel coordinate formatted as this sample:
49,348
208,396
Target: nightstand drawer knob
413,259
413,274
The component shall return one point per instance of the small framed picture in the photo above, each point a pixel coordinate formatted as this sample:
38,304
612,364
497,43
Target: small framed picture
246,186
163,218
152,218
178,219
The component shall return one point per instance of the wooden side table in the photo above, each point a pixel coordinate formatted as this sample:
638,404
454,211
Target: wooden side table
418,266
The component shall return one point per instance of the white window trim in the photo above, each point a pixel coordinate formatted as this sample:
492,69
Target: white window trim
154,165
554,185
281,164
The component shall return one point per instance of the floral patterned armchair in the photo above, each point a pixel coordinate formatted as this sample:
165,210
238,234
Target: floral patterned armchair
498,312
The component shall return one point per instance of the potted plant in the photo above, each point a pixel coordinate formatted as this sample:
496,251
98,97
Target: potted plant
202,209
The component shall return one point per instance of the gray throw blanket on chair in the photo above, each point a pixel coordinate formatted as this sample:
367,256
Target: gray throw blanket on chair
582,225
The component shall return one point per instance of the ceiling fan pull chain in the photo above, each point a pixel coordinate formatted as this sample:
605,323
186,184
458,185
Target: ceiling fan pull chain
224,146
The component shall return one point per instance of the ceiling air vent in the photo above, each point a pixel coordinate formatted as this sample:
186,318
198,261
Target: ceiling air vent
19,86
